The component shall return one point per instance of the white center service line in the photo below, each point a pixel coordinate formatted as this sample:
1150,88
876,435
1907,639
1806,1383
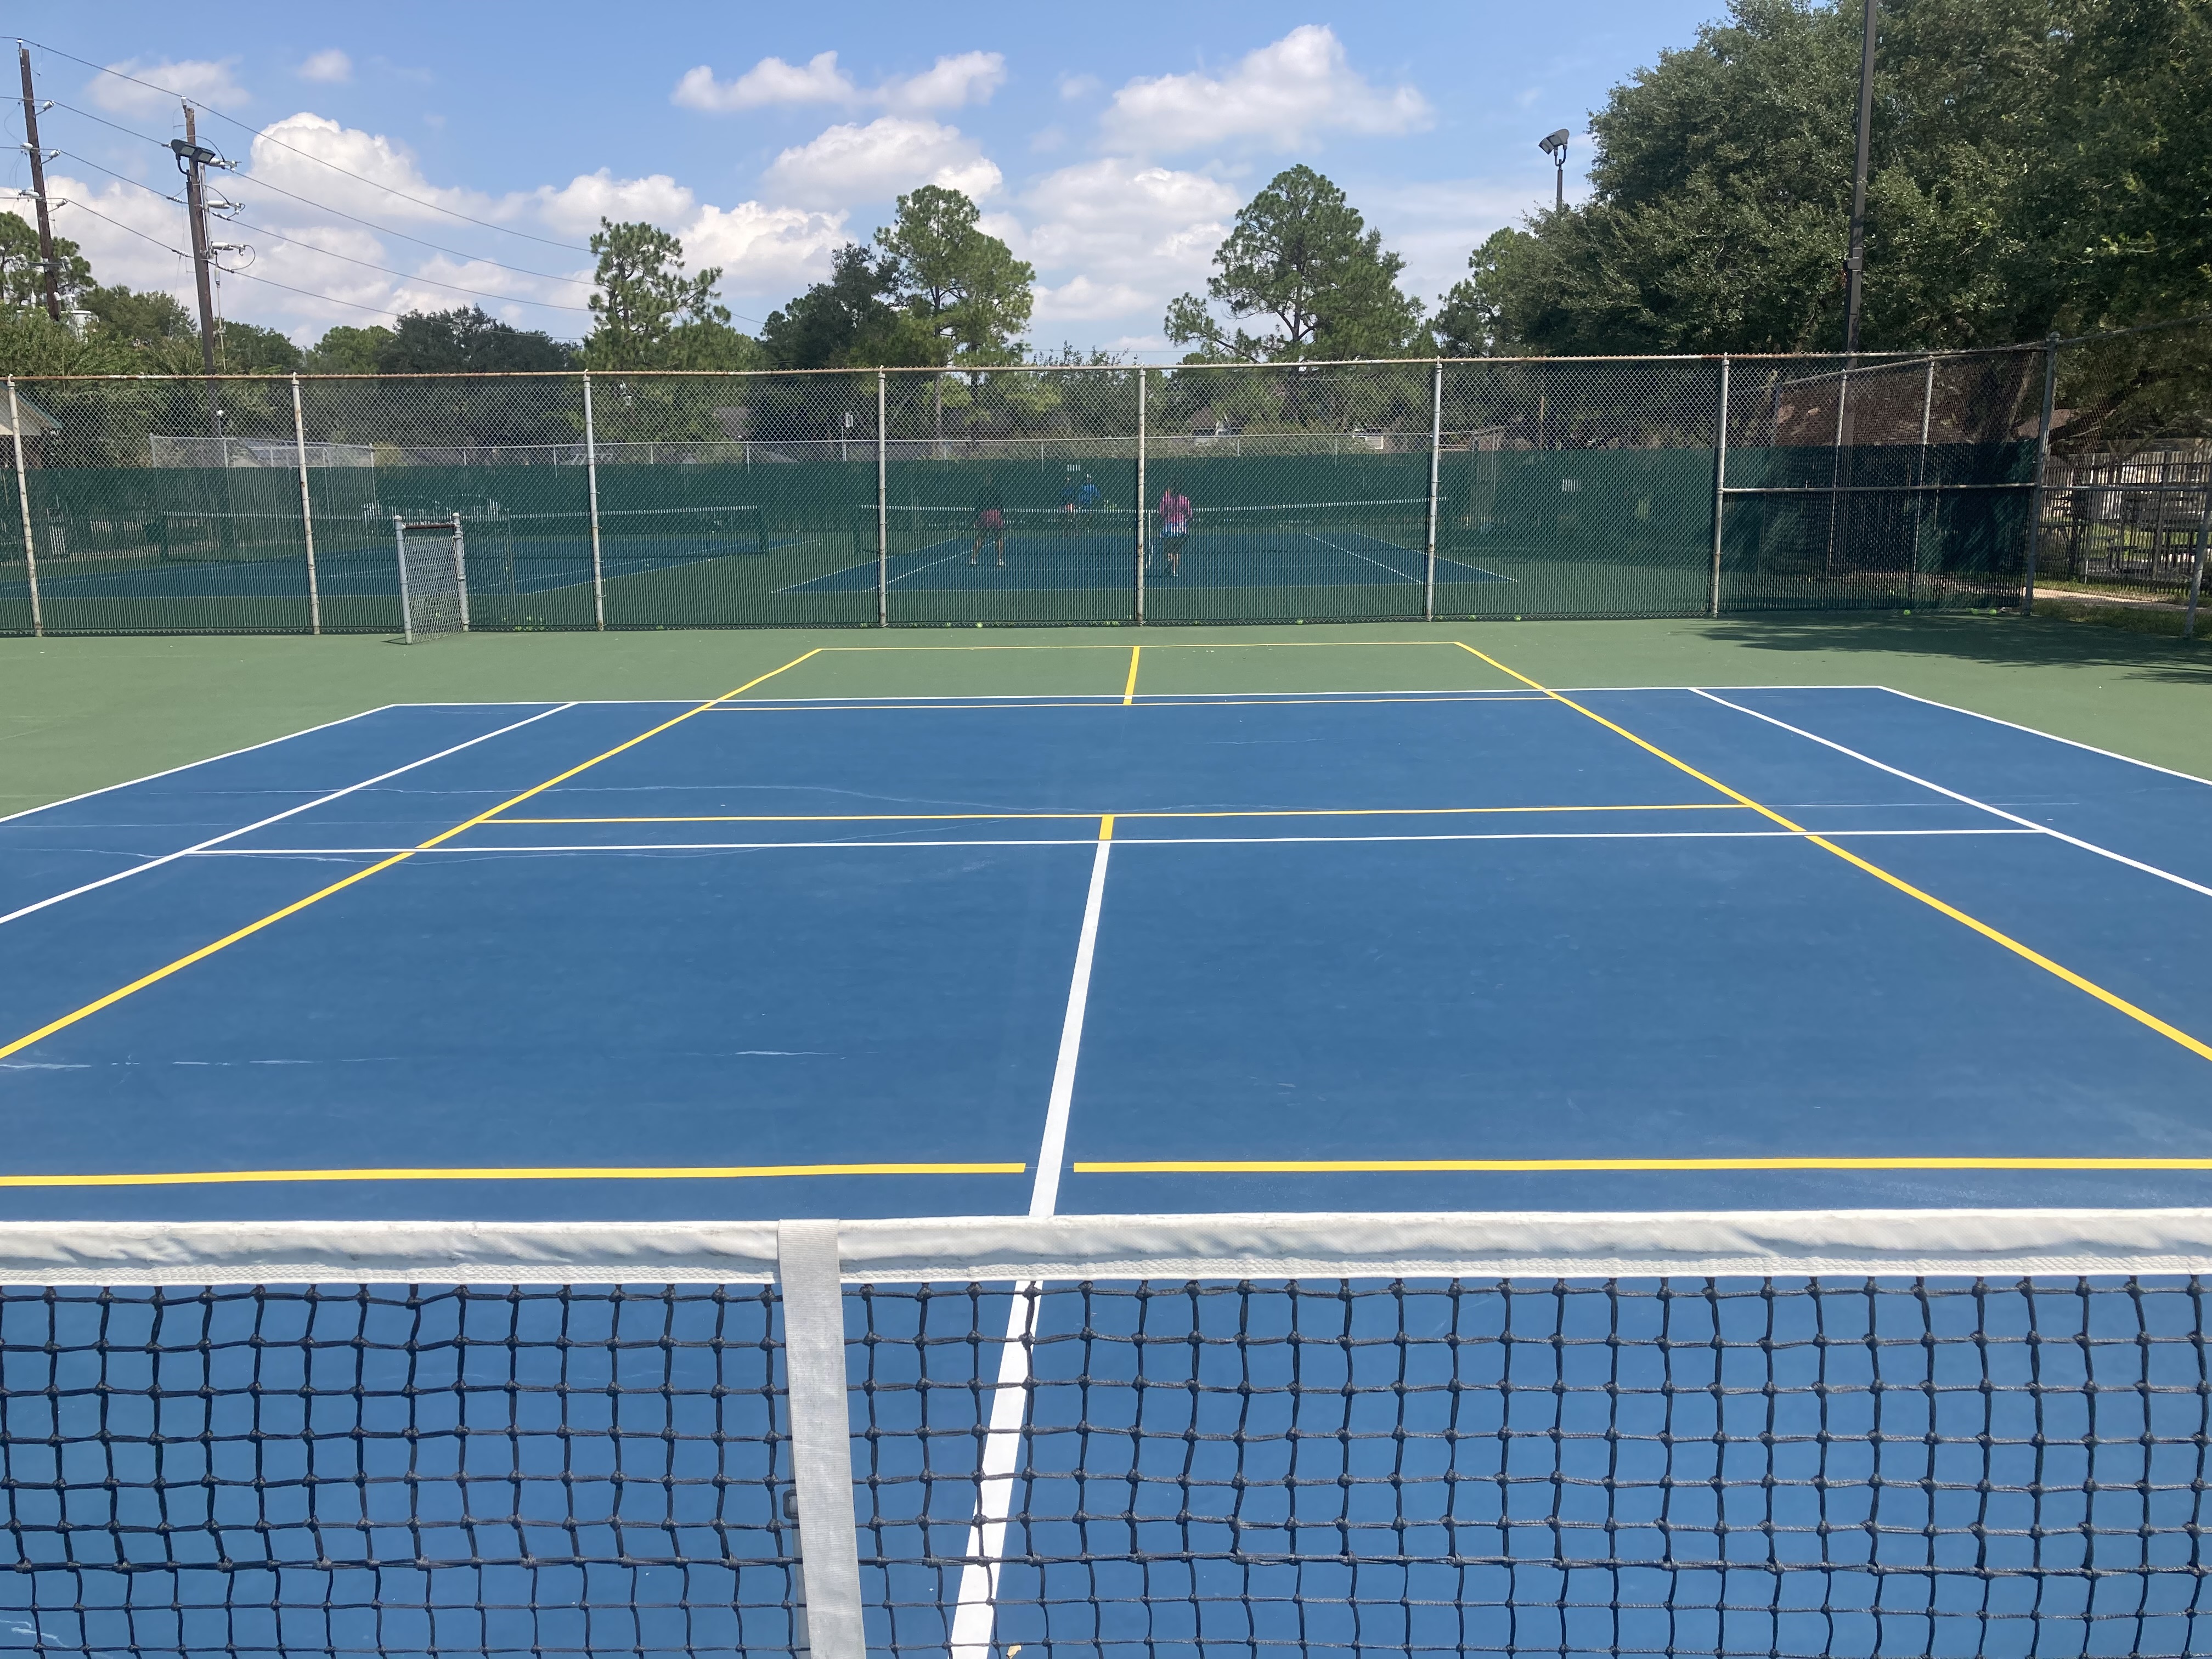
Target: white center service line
275,817
1983,805
976,1613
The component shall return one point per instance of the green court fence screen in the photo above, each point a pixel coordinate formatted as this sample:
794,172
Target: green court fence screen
1038,495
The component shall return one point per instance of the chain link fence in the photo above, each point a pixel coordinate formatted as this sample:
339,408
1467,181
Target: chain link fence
1462,489
2127,499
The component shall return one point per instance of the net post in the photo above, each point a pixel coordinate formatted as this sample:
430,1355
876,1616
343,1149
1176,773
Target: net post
821,1435
1720,487
883,506
1140,493
591,490
460,570
1436,457
2042,466
306,511
23,502
399,550
2197,569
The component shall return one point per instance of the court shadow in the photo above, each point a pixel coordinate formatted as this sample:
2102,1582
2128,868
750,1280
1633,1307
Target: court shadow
2003,641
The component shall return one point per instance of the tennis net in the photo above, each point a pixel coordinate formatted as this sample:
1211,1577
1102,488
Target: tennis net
1834,1433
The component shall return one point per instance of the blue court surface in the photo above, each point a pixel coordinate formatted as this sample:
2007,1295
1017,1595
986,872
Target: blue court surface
1059,560
766,954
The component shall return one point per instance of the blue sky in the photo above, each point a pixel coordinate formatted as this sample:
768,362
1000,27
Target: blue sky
481,144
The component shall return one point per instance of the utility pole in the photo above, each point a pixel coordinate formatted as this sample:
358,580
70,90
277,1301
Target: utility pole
192,157
52,284
1855,264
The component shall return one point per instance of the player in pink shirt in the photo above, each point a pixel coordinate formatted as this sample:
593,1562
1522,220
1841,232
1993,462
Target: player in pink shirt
1175,527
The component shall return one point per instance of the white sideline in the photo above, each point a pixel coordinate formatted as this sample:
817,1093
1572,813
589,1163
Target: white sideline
216,842
227,754
1975,714
975,1610
1982,805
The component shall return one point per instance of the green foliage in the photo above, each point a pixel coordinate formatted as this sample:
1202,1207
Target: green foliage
22,280
32,342
247,349
2034,165
1301,255
465,340
643,299
143,320
850,321
964,286
343,351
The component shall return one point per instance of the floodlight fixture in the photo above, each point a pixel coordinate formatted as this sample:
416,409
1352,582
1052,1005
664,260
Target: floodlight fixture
1555,146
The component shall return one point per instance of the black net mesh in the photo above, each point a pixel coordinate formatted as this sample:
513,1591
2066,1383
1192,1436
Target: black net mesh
1692,1466
286,1470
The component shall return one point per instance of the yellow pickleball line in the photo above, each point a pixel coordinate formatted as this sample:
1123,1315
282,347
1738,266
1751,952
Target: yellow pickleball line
1130,691
2027,953
550,1172
340,886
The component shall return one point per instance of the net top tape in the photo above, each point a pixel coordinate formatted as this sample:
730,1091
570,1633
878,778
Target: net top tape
1767,1244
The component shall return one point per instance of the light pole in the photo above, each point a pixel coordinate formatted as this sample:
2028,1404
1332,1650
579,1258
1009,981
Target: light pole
1555,146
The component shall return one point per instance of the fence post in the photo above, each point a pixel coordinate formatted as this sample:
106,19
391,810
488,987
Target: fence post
2196,571
399,550
1435,456
592,488
1140,493
306,512
1720,487
2042,461
882,505
1920,485
461,570
821,1436
23,502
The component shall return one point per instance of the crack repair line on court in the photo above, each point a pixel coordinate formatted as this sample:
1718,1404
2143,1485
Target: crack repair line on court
359,876
2141,1016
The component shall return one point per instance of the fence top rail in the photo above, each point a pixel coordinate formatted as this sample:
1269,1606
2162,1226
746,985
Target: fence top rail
284,377
1764,1244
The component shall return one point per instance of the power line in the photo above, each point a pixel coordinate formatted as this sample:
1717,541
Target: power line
324,207
330,253
270,282
568,247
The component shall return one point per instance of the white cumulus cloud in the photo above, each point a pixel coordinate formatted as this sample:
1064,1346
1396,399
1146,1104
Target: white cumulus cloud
1121,238
953,81
771,81
1300,86
331,64
890,154
201,80
950,82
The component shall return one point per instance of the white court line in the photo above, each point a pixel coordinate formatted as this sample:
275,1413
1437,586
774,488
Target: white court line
227,754
975,1611
1983,805
451,848
2052,737
215,843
